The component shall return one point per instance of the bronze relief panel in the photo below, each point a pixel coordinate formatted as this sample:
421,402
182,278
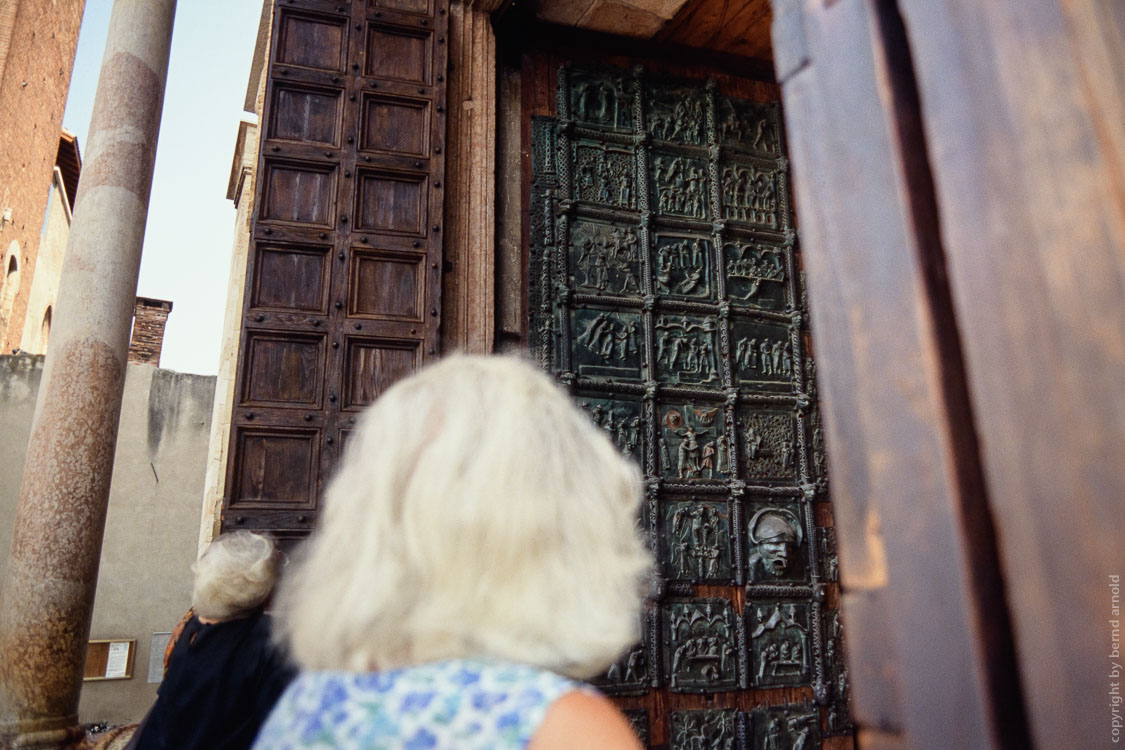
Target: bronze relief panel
696,540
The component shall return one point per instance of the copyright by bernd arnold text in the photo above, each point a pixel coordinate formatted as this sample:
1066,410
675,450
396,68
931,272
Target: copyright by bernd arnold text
1115,714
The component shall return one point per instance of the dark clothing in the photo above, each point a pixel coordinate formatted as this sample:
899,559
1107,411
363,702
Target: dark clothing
221,684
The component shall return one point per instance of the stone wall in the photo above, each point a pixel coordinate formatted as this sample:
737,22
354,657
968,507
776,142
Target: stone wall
33,89
144,584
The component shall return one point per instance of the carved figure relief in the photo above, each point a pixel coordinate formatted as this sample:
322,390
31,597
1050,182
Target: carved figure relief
820,459
828,555
769,445
756,275
747,126
779,644
605,258
792,727
699,646
685,350
762,353
693,442
677,114
776,538
682,267
836,672
621,421
604,174
703,730
628,675
608,343
603,99
697,540
749,194
638,719
680,186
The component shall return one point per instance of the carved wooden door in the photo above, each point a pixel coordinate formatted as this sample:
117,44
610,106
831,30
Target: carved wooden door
665,290
343,277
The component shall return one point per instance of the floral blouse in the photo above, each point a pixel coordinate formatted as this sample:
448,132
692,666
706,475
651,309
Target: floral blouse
464,704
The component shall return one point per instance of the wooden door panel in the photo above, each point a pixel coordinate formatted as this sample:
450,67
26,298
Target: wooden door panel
312,41
292,277
343,289
386,284
665,291
399,54
306,114
278,468
396,125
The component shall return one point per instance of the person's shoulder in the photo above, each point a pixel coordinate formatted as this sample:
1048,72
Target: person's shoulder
584,719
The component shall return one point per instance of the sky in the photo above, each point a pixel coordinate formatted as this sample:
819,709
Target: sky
190,230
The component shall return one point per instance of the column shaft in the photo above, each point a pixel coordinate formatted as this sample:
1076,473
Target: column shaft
48,592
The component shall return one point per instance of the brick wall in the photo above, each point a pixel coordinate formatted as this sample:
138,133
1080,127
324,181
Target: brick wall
149,318
33,89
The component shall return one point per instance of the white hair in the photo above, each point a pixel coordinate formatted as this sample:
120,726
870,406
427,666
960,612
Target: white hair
234,576
476,512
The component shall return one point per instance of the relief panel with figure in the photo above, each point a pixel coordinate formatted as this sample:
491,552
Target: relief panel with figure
605,259
750,194
677,114
686,351
604,174
608,344
682,266
763,355
753,127
693,441
778,550
621,420
779,642
602,98
786,727
756,275
769,445
700,640
630,674
712,729
696,540
680,186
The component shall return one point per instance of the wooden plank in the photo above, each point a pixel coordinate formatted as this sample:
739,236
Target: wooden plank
723,26
1029,178
901,485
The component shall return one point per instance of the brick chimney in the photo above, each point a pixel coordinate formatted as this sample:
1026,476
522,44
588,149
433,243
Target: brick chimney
149,317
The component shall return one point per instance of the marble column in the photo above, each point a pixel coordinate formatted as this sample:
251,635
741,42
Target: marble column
468,298
48,592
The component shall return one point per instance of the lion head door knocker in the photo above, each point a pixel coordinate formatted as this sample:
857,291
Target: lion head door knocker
775,536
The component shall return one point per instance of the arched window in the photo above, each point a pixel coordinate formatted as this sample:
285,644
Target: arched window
45,330
11,286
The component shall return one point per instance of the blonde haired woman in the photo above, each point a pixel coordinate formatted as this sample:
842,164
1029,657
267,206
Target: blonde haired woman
477,554
224,674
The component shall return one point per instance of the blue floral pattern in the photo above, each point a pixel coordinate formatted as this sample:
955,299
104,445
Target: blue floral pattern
465,704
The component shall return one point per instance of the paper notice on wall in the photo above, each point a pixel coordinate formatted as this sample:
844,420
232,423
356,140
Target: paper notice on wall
117,664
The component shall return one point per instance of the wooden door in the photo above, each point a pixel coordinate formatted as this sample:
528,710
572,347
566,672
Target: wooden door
665,290
343,279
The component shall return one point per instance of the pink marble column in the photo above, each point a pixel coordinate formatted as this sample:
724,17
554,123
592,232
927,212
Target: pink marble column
48,592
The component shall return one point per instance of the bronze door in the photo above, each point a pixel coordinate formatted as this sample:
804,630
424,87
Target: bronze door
665,291
343,277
